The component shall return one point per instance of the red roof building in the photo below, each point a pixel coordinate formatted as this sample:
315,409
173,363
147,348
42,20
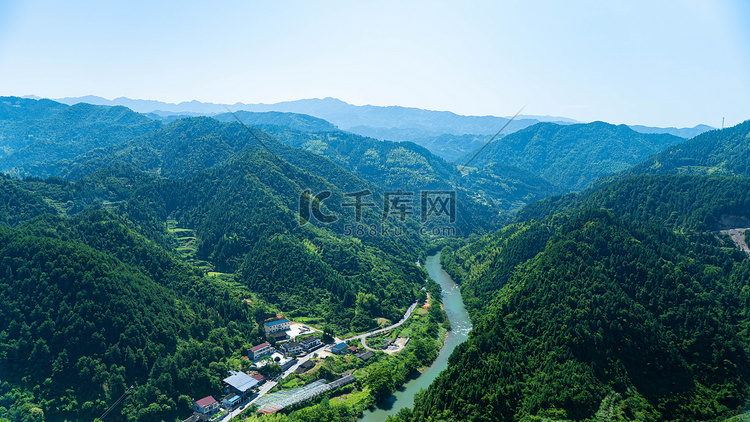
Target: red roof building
207,405
259,351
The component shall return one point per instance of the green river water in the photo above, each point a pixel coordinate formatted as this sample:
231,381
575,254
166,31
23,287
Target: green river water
461,325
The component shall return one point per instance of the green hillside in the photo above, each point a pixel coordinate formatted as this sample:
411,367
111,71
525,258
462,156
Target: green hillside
90,308
717,152
572,156
20,109
684,203
37,135
181,149
484,199
295,121
595,326
18,204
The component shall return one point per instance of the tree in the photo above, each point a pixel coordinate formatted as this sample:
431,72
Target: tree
380,383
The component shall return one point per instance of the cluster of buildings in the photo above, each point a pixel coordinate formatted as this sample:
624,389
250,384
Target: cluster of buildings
343,348
239,386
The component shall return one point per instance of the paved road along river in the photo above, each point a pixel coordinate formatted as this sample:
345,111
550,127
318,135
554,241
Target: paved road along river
461,324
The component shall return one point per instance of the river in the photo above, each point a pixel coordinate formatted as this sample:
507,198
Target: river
461,325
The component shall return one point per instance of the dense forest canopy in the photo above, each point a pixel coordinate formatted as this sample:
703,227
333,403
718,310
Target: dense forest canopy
573,156
610,319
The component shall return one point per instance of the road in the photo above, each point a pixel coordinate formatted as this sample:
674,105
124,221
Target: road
265,388
270,384
362,337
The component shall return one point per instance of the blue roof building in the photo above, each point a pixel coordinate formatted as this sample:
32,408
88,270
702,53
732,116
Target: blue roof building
278,325
339,348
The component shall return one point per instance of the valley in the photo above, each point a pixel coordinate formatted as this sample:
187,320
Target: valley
575,271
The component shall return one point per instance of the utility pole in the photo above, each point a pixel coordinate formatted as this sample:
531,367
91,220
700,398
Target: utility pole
722,123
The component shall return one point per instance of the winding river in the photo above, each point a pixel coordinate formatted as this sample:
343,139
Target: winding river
461,325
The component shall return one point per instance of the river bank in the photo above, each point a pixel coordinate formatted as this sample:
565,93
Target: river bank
460,327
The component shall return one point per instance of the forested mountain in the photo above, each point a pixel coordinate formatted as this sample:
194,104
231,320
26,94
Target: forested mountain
90,308
718,152
20,109
585,317
452,147
646,190
407,166
18,204
245,215
38,133
572,156
178,150
616,303
508,187
683,203
295,121
447,146
390,164
159,247
188,146
127,312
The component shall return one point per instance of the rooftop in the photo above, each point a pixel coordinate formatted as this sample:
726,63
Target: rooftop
240,381
205,401
260,346
278,321
365,355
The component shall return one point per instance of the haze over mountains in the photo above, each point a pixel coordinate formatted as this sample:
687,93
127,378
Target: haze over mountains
392,123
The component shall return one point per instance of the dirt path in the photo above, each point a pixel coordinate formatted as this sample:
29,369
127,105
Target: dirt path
738,236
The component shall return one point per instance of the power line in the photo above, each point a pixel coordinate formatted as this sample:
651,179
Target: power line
116,403
492,139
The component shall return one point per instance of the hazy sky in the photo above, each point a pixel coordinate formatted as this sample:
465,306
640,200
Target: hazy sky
658,63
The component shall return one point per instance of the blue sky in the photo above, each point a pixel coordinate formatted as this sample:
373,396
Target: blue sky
655,63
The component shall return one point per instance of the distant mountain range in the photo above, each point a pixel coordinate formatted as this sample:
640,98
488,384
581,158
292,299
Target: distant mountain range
393,123
685,132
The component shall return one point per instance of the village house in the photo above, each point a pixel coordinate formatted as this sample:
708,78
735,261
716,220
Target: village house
338,348
304,367
207,405
278,325
279,335
259,351
365,355
292,347
239,383
311,343
260,378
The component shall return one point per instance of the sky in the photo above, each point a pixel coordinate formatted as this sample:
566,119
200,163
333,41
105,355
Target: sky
656,63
